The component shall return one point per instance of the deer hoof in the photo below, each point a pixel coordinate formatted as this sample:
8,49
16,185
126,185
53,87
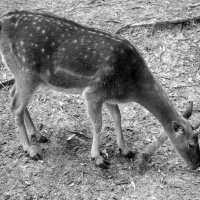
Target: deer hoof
33,152
43,139
37,157
101,163
129,155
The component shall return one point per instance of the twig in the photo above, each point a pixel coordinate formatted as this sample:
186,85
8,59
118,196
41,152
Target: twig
7,83
122,183
113,21
152,148
194,5
159,23
97,5
84,137
124,28
185,86
149,152
94,1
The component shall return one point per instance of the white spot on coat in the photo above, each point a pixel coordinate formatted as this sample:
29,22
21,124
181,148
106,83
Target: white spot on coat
8,17
23,59
21,43
107,58
82,40
122,51
16,24
48,73
92,32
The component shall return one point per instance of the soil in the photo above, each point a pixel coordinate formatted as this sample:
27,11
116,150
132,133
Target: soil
66,172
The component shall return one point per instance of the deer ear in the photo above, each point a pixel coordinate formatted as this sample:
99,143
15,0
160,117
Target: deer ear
187,114
178,128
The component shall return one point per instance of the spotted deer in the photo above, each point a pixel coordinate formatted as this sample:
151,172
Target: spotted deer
41,48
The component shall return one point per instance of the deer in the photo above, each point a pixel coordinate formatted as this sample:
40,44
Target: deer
106,69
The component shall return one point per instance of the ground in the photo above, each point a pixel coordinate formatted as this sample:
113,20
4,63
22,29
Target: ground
66,172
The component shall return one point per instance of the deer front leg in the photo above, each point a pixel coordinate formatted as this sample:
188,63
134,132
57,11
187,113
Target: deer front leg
94,109
31,128
115,113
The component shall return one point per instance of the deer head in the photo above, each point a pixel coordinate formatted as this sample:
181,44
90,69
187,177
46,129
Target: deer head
187,142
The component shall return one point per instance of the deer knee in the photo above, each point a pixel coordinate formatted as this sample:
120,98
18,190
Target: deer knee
13,104
14,96
98,124
19,119
13,90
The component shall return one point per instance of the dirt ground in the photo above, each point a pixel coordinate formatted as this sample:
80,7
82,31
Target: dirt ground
66,171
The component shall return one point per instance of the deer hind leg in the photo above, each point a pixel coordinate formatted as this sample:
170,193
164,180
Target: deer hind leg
21,94
115,113
32,132
94,109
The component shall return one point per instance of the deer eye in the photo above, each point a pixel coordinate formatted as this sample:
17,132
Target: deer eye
191,146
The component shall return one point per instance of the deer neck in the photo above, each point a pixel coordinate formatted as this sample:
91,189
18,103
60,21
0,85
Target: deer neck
153,98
